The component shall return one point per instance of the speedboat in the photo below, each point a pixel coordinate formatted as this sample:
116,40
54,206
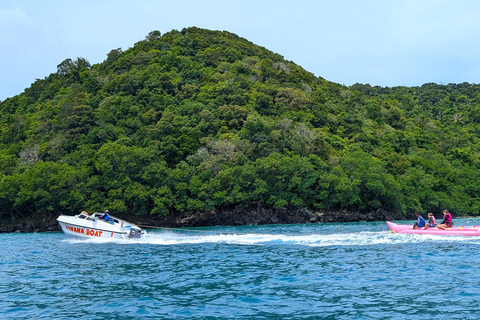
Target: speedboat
86,225
453,231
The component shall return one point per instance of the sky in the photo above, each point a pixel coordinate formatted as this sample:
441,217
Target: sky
379,42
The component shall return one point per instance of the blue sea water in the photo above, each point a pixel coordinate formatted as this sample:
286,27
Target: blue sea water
313,271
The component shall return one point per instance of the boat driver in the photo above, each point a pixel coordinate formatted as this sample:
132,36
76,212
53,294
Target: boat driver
106,216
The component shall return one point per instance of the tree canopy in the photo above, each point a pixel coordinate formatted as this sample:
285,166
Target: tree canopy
198,119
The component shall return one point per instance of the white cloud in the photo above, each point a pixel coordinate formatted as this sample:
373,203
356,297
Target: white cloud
13,16
13,21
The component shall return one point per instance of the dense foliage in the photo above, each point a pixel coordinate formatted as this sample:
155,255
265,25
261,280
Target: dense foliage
199,119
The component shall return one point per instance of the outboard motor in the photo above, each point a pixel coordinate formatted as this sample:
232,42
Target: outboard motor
135,233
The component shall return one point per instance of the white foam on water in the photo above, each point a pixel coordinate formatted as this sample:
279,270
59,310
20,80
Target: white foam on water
363,238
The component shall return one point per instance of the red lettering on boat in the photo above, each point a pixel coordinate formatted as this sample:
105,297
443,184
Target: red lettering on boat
75,229
88,232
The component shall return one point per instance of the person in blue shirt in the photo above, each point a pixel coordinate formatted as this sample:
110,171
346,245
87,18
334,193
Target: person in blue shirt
106,216
420,223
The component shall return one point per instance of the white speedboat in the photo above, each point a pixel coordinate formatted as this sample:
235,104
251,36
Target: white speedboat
94,226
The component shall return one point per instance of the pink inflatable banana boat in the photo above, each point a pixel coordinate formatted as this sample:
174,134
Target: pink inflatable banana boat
454,231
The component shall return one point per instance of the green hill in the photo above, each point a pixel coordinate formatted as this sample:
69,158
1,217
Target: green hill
201,120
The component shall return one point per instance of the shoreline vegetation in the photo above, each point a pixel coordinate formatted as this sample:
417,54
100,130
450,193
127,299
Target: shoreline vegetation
199,127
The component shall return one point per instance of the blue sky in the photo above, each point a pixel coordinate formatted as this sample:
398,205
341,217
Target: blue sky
380,42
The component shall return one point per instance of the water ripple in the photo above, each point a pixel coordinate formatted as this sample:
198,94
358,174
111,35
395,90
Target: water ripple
337,271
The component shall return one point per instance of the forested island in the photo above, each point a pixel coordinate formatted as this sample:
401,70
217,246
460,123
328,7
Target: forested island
198,127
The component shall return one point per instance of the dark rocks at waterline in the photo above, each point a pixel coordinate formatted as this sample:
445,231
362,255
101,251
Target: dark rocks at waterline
259,215
28,227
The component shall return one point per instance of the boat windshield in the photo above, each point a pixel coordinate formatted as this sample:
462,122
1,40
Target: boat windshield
83,216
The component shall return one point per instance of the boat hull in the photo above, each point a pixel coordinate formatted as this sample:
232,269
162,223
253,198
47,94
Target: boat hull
89,232
454,231
82,226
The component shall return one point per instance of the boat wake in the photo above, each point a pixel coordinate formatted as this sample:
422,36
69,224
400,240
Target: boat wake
364,238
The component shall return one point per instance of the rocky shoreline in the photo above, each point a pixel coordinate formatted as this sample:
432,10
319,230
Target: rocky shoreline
256,214
262,216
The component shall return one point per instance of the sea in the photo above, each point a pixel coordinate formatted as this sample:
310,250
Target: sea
309,271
